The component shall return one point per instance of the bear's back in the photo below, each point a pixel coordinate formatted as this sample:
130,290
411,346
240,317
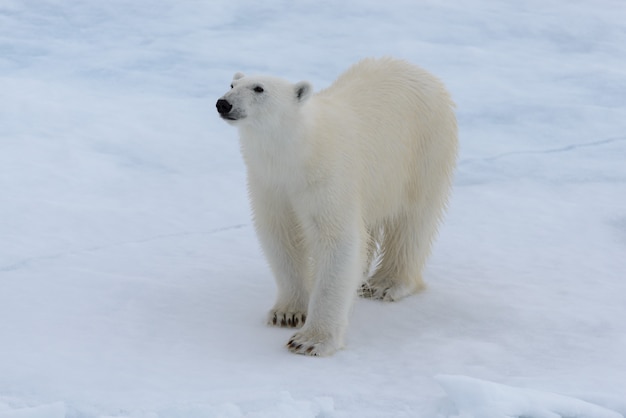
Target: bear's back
396,122
378,82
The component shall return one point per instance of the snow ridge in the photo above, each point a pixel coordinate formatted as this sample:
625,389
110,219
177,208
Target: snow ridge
476,398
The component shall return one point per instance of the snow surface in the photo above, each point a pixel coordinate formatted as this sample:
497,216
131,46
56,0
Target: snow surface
478,398
131,282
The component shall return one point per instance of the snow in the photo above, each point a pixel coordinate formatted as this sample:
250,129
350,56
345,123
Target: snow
131,282
478,398
54,410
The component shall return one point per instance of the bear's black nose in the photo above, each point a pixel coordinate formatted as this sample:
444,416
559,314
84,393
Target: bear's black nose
223,107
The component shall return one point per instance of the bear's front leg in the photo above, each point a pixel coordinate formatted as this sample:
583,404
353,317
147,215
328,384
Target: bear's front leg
338,255
289,264
281,240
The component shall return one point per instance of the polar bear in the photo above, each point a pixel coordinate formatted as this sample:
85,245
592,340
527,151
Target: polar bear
360,171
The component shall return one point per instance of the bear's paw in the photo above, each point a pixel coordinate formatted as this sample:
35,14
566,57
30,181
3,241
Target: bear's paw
313,343
388,290
283,319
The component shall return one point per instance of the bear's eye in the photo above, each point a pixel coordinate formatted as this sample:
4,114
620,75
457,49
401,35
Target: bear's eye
258,89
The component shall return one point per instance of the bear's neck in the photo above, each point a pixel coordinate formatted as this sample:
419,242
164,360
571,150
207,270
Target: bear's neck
277,135
278,148
270,145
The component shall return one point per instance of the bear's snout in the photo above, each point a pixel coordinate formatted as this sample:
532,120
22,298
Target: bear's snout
223,107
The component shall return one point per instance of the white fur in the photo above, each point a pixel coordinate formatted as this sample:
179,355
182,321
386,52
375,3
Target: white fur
361,168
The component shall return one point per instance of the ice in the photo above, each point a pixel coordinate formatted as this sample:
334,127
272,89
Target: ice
477,398
53,410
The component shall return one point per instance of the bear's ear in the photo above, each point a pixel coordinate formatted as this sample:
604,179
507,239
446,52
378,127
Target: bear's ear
303,90
237,76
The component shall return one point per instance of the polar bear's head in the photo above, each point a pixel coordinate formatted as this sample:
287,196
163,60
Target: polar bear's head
261,99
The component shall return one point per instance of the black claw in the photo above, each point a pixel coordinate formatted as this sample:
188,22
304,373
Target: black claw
274,320
366,291
283,322
299,346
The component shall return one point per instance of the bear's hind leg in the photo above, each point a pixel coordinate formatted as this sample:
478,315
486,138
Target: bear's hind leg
372,237
405,246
